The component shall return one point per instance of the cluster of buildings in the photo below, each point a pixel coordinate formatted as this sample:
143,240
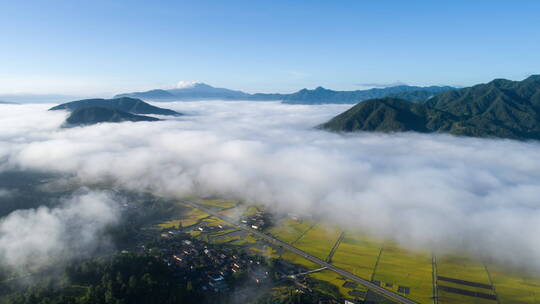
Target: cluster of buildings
208,267
258,221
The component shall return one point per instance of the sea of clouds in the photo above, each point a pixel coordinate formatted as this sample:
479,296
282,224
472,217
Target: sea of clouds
435,192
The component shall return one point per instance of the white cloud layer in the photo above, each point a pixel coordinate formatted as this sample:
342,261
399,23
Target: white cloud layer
432,191
184,84
35,238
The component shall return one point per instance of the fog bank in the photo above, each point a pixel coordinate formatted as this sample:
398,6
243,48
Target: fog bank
35,238
431,191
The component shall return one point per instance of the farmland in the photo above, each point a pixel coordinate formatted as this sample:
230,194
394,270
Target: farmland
357,254
190,217
290,231
419,276
319,240
514,286
406,272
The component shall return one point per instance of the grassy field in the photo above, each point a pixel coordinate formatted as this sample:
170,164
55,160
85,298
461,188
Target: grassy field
514,287
227,239
251,210
266,251
357,254
463,268
221,204
400,267
319,240
237,210
335,279
289,230
248,239
189,217
453,298
214,221
298,260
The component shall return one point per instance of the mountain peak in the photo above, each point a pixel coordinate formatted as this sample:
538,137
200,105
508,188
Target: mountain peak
499,81
483,110
124,104
190,84
535,77
93,115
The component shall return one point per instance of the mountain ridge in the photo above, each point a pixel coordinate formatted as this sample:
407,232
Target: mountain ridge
319,95
93,115
500,108
125,104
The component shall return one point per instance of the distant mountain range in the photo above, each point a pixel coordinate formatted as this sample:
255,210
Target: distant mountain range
320,95
94,115
92,111
196,91
500,108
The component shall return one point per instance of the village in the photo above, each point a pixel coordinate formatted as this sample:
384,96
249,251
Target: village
222,269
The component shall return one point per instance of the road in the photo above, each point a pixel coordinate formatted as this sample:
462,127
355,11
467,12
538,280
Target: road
369,285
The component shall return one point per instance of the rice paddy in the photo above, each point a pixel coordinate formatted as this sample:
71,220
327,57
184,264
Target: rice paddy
220,204
189,217
445,279
335,279
358,255
289,231
318,241
404,272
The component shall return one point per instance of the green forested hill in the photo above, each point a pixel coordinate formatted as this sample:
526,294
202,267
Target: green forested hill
500,108
124,104
94,115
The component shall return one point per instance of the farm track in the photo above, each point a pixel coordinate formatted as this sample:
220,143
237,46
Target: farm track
336,246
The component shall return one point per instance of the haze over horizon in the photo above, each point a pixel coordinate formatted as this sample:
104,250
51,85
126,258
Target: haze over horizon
259,47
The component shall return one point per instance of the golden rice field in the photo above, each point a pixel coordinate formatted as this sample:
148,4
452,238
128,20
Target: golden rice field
394,266
382,261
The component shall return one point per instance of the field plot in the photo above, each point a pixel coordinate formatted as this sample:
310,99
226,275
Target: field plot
407,273
189,217
347,291
289,230
514,287
219,204
251,210
264,250
298,260
319,240
234,209
459,279
463,280
224,236
247,239
357,254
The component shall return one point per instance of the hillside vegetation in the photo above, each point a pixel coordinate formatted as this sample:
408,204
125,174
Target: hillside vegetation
500,108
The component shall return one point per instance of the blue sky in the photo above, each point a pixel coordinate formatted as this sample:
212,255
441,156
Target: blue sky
107,47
